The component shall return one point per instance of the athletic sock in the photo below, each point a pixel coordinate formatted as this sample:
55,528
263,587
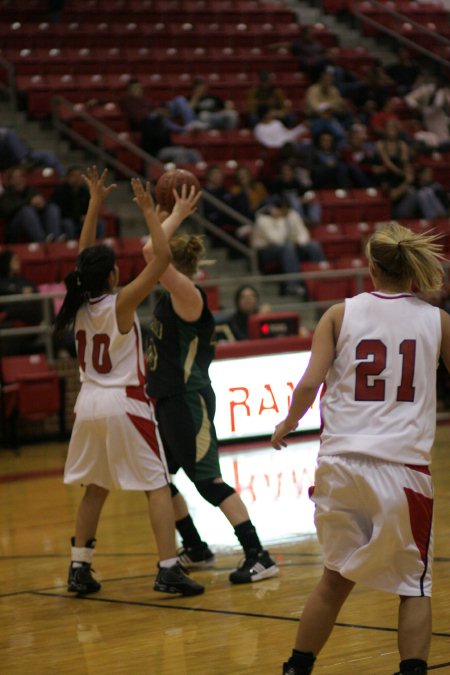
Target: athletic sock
82,554
188,532
248,537
411,666
170,562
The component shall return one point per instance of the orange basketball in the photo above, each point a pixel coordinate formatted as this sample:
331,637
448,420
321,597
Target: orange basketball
170,181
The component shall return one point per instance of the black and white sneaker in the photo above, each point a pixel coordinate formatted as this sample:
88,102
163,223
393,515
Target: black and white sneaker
174,580
197,557
289,669
257,566
81,580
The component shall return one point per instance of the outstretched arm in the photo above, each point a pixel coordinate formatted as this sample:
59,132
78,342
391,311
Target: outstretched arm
131,295
322,356
185,205
98,191
186,298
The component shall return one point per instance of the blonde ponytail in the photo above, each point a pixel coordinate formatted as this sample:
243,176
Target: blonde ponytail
401,254
187,251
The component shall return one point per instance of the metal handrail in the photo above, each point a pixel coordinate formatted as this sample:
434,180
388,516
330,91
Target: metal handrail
46,328
148,160
401,38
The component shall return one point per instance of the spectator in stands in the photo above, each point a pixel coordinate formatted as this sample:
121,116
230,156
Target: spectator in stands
266,93
347,84
429,188
326,167
431,100
152,121
249,189
14,150
358,154
215,186
288,183
386,113
393,167
135,106
326,108
281,238
246,302
27,214
311,54
13,283
201,110
392,156
404,72
72,198
272,133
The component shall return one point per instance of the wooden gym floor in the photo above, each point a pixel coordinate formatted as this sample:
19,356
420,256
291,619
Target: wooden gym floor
128,628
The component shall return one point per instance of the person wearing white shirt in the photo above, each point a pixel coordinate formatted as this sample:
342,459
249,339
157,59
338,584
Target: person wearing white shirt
281,237
272,133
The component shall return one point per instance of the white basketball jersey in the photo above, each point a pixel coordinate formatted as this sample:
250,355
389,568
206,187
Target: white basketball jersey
380,396
106,356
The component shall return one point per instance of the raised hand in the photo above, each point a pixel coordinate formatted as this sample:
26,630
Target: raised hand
142,196
185,204
96,183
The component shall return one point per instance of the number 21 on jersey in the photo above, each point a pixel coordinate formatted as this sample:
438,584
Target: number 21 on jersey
373,355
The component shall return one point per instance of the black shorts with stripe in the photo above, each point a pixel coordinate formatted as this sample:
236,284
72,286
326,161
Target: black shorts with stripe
186,425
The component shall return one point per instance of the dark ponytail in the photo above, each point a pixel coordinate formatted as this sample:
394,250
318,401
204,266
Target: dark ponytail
88,280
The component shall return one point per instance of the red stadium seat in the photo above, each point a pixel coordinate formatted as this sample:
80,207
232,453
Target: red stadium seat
33,390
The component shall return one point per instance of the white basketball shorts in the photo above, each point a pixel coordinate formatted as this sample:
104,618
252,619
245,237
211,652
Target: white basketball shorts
115,441
374,522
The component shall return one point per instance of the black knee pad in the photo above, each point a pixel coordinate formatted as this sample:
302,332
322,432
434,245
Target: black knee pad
173,489
214,493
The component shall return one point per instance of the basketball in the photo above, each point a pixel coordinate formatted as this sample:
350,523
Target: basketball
170,181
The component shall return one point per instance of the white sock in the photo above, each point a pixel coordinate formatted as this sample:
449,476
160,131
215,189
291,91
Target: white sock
170,562
81,554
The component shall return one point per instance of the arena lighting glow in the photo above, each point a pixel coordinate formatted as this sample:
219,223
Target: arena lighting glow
253,394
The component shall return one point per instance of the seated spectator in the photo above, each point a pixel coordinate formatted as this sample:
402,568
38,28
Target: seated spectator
27,214
201,110
312,56
266,93
431,101
410,199
326,108
326,167
379,86
246,302
358,154
429,191
272,133
251,190
13,283
72,198
392,154
386,113
404,72
281,237
14,150
135,106
151,120
287,183
347,84
215,186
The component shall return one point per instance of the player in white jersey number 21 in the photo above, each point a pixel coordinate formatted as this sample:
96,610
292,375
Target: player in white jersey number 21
377,354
